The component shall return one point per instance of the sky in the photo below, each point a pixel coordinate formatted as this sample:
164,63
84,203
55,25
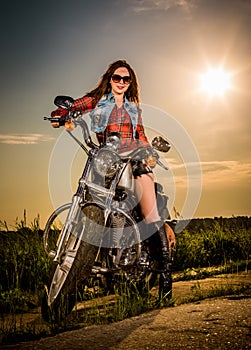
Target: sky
60,47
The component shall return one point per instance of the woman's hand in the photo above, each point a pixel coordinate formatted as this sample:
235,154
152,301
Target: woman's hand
170,236
69,125
55,124
151,161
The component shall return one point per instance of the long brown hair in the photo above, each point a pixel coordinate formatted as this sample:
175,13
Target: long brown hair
104,86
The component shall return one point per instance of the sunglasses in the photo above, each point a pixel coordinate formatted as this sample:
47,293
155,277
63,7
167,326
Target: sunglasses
117,79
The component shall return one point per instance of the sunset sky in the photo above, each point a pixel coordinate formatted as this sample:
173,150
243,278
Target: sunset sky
63,47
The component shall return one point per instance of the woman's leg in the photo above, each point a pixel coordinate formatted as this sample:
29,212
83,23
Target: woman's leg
145,191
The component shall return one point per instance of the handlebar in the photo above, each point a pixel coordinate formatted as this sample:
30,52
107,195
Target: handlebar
73,116
148,152
61,120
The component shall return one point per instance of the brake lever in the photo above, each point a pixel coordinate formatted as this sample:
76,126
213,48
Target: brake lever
162,165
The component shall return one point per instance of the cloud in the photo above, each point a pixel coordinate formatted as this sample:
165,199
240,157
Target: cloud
217,173
24,139
227,171
141,6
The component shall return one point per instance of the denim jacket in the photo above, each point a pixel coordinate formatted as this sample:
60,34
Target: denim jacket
101,113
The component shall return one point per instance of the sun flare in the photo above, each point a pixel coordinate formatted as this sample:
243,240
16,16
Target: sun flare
216,81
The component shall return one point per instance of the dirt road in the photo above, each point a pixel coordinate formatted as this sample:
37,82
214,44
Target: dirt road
218,323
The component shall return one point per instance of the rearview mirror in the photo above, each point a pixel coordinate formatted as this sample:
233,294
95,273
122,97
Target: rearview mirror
160,144
65,102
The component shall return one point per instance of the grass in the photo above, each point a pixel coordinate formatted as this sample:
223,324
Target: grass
196,273
204,250
228,289
126,302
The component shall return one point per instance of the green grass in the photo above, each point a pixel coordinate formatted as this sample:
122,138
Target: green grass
204,249
198,273
198,293
126,302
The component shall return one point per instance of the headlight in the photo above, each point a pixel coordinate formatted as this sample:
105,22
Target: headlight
113,140
106,162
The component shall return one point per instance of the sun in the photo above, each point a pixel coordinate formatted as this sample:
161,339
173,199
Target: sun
216,81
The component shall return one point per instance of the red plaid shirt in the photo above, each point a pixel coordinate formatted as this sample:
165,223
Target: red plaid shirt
119,121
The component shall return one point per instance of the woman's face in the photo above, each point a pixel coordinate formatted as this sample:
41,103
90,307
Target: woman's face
119,85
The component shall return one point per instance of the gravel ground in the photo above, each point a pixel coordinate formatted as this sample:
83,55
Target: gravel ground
222,323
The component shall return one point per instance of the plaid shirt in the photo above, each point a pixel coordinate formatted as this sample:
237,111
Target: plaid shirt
119,121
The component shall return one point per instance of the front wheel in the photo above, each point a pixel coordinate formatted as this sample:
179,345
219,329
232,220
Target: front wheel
76,264
61,293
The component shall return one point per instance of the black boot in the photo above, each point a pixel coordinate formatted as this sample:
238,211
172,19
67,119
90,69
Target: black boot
165,280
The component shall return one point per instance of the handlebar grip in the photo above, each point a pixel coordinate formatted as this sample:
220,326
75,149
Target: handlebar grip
61,120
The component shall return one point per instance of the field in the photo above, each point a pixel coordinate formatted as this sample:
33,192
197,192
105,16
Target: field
206,247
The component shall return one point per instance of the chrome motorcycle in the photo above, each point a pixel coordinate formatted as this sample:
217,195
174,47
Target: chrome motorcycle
103,235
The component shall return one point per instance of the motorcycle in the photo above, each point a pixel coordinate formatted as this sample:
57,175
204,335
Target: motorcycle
104,235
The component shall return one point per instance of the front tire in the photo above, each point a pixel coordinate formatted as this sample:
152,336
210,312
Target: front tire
75,267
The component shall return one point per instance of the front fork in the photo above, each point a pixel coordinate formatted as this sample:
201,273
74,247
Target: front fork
71,221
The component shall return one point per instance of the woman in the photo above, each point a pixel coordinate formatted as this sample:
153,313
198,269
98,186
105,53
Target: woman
114,107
